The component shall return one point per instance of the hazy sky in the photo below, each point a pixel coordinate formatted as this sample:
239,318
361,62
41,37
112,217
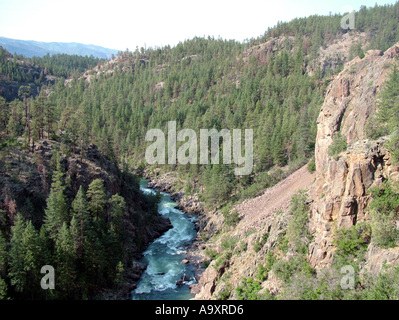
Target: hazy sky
121,24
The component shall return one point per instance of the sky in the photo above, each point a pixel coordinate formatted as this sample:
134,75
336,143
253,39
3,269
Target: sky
122,25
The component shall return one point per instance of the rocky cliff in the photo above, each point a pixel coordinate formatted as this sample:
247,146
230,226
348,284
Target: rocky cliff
337,195
340,190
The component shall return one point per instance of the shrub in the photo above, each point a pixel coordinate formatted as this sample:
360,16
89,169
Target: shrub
350,241
188,188
338,145
383,287
229,243
282,242
351,245
312,166
242,247
374,129
222,260
231,219
249,289
385,233
384,209
393,147
296,264
324,287
211,253
262,273
259,244
224,294
297,230
270,260
385,198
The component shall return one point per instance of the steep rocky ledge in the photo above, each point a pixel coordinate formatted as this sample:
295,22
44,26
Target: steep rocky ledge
337,190
340,190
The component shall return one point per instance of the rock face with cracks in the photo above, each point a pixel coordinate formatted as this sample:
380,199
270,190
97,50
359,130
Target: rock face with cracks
338,190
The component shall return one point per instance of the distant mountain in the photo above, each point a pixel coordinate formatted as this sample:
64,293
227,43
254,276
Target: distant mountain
30,48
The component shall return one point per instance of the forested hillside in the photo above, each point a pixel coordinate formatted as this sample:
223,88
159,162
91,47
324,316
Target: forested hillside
17,71
274,84
73,210
79,214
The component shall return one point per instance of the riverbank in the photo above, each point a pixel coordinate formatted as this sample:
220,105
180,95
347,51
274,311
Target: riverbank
191,205
194,255
131,276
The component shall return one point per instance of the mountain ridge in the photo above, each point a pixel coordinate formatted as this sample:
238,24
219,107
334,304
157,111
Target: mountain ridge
30,48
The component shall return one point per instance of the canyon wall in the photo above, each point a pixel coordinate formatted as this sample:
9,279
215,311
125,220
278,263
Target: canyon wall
338,190
339,194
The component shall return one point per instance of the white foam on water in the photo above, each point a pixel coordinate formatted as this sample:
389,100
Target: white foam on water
164,255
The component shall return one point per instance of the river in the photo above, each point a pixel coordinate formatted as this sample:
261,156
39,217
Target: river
164,256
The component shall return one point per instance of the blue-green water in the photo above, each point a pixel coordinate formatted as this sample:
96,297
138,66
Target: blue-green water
164,256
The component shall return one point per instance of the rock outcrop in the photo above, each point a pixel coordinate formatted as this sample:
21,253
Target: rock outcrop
167,183
265,214
340,190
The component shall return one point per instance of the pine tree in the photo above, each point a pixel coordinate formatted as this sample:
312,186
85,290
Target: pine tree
218,182
36,122
3,289
58,174
118,206
80,222
17,267
15,125
115,229
56,212
278,151
4,113
24,93
97,198
3,255
388,105
25,258
65,261
47,246
119,275
83,132
49,116
71,126
386,121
